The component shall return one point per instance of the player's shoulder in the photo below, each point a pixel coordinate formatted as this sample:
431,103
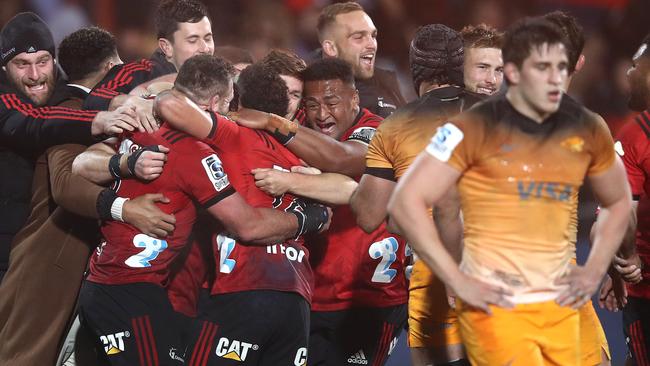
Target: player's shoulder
636,129
367,119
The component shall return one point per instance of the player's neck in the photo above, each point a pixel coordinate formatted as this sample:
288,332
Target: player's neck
521,105
426,87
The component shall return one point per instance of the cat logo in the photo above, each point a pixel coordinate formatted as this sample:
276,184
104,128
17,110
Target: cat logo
114,343
234,350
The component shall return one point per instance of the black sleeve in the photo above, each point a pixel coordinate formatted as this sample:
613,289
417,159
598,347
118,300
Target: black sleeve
121,79
24,127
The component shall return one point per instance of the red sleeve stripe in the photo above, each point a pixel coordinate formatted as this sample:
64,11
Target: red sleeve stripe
12,102
642,120
125,72
104,93
67,111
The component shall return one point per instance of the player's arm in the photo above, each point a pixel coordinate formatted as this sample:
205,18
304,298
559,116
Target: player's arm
328,188
369,201
183,114
315,148
101,164
23,127
409,205
82,197
612,191
120,80
155,86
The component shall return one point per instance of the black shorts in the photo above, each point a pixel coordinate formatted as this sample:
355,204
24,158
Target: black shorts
265,328
636,327
358,336
133,324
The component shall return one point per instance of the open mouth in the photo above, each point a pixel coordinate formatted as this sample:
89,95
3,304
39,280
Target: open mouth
367,60
36,88
555,96
485,90
326,127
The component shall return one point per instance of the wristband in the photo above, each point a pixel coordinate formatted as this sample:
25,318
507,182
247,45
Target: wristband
116,208
105,203
114,166
133,158
282,129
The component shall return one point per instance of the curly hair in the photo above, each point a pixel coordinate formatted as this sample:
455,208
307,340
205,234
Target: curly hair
481,36
261,88
82,53
329,69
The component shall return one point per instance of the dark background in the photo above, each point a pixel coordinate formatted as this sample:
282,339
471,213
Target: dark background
614,29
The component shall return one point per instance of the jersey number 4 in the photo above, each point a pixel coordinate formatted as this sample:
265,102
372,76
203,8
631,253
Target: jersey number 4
152,247
387,251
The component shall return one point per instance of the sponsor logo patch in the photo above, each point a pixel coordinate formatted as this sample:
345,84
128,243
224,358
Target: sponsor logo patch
215,172
114,343
234,349
444,142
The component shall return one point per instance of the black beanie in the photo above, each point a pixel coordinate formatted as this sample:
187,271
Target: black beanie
26,32
436,53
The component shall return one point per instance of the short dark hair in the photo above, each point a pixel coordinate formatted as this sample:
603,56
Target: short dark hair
172,12
527,34
203,76
82,52
285,62
234,54
328,15
263,89
573,32
329,69
481,36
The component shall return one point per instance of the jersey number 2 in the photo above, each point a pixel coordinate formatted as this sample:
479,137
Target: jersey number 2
225,245
387,251
152,247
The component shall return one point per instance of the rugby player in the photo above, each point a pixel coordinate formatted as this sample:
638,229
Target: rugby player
516,286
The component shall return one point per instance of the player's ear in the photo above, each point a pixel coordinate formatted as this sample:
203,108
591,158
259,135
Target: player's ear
166,46
580,63
511,72
355,98
329,48
213,104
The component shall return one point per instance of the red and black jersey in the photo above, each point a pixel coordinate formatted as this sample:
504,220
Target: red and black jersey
121,79
239,267
27,128
193,173
633,146
353,268
300,117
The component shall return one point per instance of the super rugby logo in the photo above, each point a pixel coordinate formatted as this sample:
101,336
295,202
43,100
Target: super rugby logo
234,349
363,134
215,172
114,343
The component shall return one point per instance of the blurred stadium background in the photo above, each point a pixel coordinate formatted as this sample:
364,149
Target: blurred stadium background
614,29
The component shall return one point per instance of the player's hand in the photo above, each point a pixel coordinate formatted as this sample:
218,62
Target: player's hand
582,284
114,122
149,163
143,213
479,294
250,118
613,294
451,297
272,181
305,170
144,112
630,268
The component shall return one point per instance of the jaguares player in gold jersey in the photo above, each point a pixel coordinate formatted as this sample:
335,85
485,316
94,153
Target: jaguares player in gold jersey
440,62
518,161
594,349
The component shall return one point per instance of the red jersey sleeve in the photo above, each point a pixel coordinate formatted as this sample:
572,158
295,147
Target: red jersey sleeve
203,176
364,128
632,146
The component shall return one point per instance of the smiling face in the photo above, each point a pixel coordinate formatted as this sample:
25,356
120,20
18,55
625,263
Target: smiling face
538,84
483,70
33,75
188,40
354,39
331,106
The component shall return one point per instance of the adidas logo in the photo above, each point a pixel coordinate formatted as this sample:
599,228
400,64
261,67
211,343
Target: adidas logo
31,49
358,358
